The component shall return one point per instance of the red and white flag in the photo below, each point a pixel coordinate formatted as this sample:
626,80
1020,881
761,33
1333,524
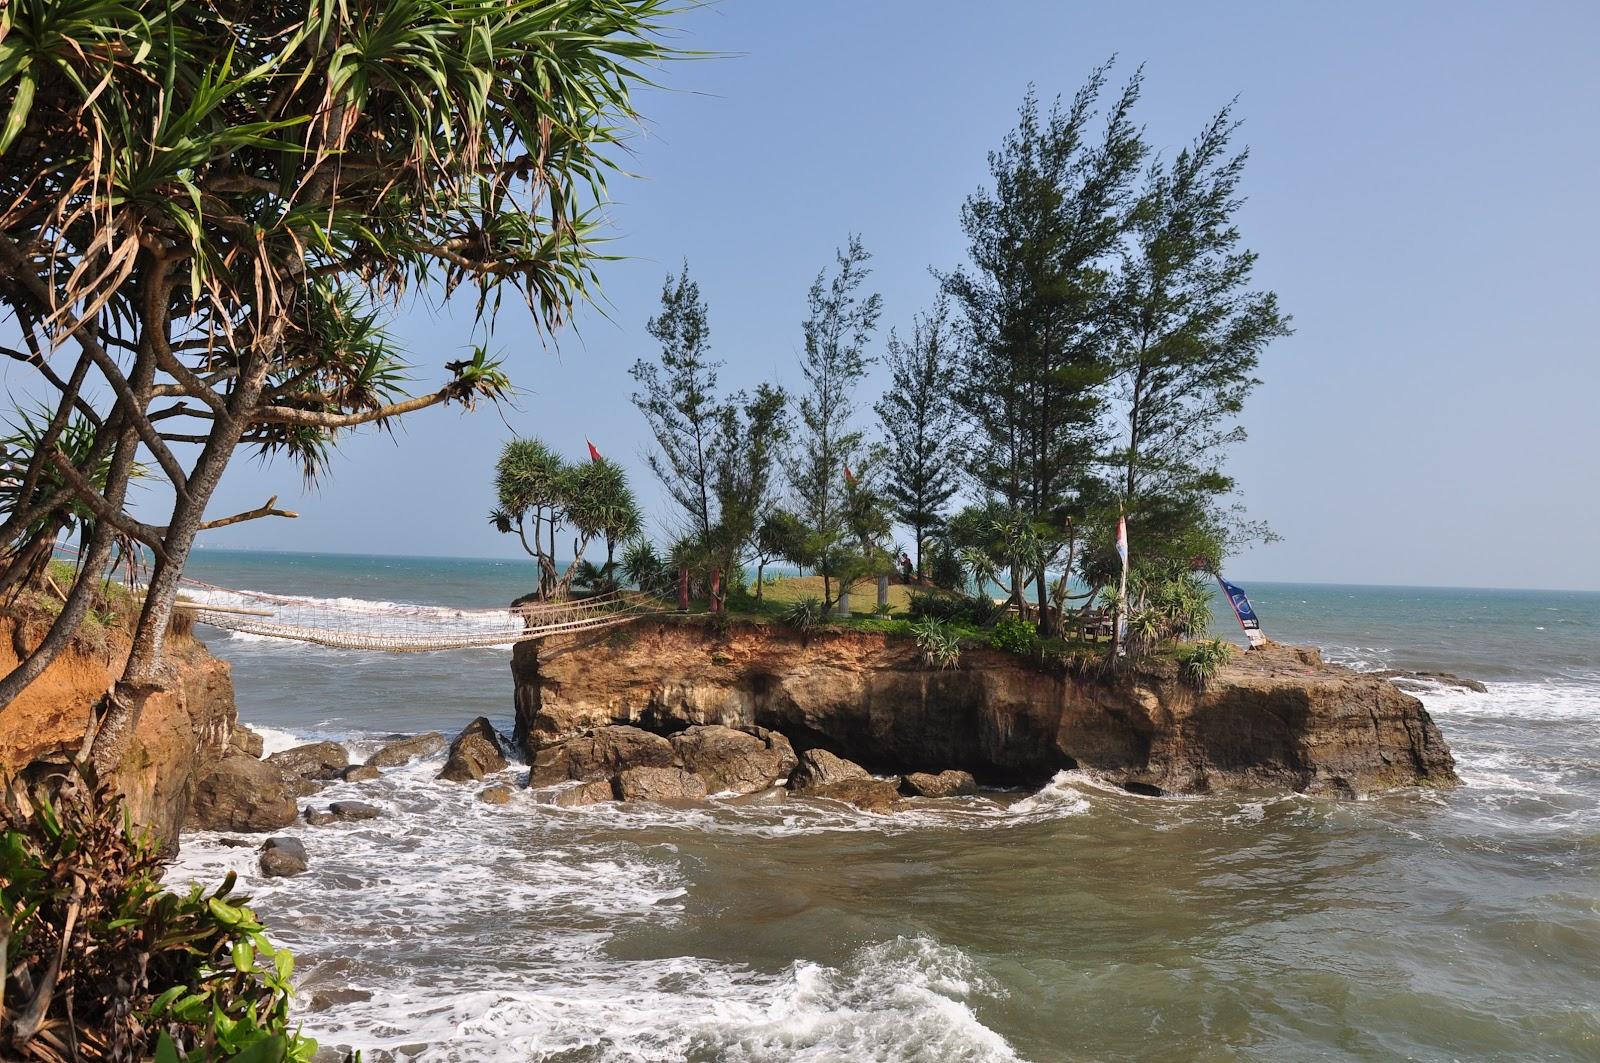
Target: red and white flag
1122,539
849,477
594,455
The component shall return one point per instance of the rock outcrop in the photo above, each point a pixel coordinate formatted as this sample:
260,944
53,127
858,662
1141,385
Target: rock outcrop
182,732
731,761
283,857
403,749
818,767
318,761
240,793
476,752
659,784
943,784
600,753
1274,719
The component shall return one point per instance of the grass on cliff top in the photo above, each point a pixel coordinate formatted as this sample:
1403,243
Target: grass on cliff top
113,609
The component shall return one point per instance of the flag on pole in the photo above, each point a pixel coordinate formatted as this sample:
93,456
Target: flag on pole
1122,594
849,477
1243,610
594,455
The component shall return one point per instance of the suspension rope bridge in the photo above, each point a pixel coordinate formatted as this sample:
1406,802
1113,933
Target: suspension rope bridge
392,627
352,624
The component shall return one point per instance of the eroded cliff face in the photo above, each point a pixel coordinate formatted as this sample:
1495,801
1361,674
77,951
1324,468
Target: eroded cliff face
180,734
1278,718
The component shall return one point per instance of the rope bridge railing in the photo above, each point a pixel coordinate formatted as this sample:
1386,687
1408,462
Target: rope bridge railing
353,624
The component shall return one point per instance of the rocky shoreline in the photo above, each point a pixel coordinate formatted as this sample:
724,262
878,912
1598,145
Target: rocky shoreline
676,710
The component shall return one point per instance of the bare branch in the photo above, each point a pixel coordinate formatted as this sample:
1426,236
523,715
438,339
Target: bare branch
268,510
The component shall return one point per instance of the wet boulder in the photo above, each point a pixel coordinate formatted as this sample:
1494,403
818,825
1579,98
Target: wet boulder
495,795
660,784
867,794
600,753
283,857
320,817
245,741
401,751
354,810
818,767
730,760
942,784
477,751
589,793
315,760
241,793
360,773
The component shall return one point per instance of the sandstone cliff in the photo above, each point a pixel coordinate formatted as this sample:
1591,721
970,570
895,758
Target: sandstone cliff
179,736
1278,718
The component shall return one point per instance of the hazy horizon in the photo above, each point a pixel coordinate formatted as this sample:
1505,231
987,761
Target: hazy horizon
1419,192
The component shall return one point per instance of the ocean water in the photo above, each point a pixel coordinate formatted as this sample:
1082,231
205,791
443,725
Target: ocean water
1075,923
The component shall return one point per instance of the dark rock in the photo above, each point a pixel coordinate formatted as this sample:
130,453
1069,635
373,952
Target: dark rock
476,752
1142,789
730,760
354,810
300,786
1424,680
360,773
282,857
818,767
495,795
242,793
326,999
589,793
320,817
314,760
660,784
778,744
944,784
403,751
867,794
245,741
236,843
600,753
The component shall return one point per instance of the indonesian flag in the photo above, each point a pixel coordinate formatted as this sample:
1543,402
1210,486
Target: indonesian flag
594,455
849,477
1122,539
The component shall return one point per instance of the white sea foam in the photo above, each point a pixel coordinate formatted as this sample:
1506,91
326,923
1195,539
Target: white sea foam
477,932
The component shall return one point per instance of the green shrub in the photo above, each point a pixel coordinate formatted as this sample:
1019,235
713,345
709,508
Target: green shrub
101,963
1015,635
939,642
977,610
1199,663
805,614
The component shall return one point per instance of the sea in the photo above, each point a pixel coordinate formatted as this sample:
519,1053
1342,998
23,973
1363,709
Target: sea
1078,922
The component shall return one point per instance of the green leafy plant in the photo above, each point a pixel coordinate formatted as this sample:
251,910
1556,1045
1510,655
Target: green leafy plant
1015,635
805,614
939,642
1199,663
101,963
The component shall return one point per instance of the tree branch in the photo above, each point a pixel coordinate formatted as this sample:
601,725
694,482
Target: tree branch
268,510
321,419
103,509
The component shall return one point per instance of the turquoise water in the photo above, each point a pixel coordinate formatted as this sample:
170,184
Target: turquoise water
1076,923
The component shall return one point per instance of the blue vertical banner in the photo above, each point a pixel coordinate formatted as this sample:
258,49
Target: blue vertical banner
1243,610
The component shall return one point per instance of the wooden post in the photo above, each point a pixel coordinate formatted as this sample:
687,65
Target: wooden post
683,589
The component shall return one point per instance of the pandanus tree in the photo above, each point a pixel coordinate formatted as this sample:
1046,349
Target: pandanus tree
208,210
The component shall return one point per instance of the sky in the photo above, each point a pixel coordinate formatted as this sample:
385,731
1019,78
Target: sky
1421,190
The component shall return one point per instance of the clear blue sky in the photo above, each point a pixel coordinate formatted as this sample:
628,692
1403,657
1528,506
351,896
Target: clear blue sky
1422,191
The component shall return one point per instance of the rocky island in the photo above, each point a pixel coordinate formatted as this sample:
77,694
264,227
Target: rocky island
591,707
